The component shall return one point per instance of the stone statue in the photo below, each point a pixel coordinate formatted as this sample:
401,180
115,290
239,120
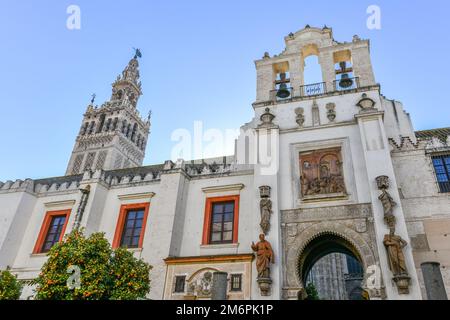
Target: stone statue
394,245
265,206
80,211
388,207
264,257
387,202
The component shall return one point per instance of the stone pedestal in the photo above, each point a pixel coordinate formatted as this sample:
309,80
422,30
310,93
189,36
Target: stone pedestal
402,282
265,284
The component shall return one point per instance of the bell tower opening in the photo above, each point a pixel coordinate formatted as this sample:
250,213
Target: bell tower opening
332,267
313,83
282,82
345,78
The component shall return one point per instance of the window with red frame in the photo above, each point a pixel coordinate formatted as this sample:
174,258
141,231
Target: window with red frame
221,220
131,225
52,230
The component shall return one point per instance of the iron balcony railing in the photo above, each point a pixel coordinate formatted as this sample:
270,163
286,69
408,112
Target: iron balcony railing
314,89
347,84
275,96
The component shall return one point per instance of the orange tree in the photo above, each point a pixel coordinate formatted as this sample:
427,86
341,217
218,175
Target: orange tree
87,268
10,287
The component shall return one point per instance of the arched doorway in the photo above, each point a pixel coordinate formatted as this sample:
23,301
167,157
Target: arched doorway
331,268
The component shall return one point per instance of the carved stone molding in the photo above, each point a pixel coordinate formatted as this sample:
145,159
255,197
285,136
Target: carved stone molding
300,117
134,196
366,104
353,211
60,204
230,187
331,111
266,119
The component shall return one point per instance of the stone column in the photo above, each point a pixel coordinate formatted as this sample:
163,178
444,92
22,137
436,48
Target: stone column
219,286
296,73
265,78
434,284
362,67
328,73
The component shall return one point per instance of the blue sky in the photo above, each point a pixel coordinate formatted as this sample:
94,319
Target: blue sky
197,64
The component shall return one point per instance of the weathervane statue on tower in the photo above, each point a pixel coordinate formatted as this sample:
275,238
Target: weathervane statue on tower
138,53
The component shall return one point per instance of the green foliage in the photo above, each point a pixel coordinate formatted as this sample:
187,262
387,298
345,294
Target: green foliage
104,273
311,291
10,287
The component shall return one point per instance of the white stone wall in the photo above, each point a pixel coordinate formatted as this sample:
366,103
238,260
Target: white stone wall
426,210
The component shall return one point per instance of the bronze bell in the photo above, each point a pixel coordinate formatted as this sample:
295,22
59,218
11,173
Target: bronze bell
345,81
283,91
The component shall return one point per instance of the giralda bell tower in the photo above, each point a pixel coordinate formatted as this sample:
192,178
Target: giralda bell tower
113,136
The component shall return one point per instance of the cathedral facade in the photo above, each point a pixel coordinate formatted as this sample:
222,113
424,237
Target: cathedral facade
327,168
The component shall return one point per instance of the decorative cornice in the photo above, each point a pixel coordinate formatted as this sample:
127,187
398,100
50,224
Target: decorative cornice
210,259
65,203
134,196
230,187
322,126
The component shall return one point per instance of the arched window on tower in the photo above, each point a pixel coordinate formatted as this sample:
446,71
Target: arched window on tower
91,127
100,125
138,141
114,125
84,128
128,133
108,125
133,133
124,127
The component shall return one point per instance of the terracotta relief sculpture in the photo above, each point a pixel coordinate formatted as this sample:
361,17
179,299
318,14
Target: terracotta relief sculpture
264,258
321,173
